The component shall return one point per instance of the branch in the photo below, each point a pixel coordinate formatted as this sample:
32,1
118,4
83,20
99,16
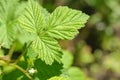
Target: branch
23,71
11,50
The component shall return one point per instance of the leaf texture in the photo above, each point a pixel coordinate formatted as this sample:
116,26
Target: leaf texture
64,22
7,36
7,22
47,49
32,19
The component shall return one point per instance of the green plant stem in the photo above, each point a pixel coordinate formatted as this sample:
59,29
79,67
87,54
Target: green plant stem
10,53
1,58
22,70
3,62
23,53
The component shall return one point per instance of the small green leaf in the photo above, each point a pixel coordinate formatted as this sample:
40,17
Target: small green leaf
36,78
67,62
76,74
64,22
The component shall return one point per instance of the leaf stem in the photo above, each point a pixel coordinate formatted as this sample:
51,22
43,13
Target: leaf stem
22,70
3,62
10,53
23,52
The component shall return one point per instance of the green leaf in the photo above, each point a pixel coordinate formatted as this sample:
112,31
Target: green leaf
32,20
64,22
8,20
7,10
58,25
45,71
76,74
67,62
47,49
7,32
7,35
57,78
36,78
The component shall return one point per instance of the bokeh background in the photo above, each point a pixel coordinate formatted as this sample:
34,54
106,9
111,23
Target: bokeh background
96,49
